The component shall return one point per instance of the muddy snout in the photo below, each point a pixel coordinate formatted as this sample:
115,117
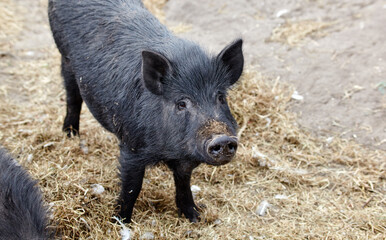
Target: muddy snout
221,148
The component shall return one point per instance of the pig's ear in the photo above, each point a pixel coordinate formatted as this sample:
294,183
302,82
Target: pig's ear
154,68
232,57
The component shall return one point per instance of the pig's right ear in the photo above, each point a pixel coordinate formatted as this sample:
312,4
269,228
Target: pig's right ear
154,68
232,57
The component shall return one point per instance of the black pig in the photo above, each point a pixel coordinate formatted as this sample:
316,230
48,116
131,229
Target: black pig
23,215
162,96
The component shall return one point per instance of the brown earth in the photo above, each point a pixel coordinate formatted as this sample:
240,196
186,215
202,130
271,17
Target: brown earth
332,52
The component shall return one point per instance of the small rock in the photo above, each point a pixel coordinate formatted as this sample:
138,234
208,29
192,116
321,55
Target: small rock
329,139
262,209
26,131
147,236
30,157
282,12
217,222
257,154
280,196
30,53
263,160
361,25
299,171
263,163
297,96
48,144
97,189
268,121
83,147
195,188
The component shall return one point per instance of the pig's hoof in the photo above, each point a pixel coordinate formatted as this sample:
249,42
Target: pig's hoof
123,213
70,131
124,218
191,213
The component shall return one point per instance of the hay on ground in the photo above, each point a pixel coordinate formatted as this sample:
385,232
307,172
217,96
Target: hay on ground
294,33
315,188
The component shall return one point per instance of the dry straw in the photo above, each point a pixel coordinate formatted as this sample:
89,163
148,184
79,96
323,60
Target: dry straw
313,188
295,32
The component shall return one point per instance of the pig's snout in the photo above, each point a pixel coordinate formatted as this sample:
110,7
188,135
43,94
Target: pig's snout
222,148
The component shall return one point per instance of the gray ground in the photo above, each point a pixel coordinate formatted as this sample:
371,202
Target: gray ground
339,70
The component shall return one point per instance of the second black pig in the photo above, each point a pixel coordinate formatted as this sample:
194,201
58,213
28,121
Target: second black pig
162,96
23,215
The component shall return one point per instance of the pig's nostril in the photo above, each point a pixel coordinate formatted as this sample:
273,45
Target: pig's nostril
216,149
232,147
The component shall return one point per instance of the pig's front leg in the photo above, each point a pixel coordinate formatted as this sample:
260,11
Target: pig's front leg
182,173
131,172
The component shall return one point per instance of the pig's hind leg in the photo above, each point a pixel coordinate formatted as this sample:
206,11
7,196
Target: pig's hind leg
73,98
182,172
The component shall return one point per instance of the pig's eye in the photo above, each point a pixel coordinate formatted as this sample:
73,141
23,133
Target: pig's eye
181,105
221,98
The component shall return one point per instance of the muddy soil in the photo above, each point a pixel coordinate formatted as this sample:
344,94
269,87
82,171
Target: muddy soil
332,52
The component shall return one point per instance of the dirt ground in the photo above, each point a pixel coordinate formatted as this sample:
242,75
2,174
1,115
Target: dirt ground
313,186
332,52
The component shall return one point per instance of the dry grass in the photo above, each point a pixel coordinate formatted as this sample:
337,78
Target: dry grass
156,6
317,188
181,28
293,33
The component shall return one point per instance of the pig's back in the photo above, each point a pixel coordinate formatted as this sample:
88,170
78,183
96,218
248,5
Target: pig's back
99,32
103,40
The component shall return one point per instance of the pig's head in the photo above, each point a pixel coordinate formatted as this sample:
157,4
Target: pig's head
191,87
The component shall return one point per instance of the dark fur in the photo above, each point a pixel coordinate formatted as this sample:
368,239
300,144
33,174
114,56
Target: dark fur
155,91
23,215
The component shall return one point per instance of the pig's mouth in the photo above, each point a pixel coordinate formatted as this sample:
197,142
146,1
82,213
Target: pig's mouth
220,149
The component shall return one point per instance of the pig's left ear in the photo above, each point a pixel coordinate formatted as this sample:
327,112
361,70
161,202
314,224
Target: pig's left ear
154,69
232,57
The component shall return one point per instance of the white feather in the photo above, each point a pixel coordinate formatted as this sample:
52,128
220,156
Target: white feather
125,231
